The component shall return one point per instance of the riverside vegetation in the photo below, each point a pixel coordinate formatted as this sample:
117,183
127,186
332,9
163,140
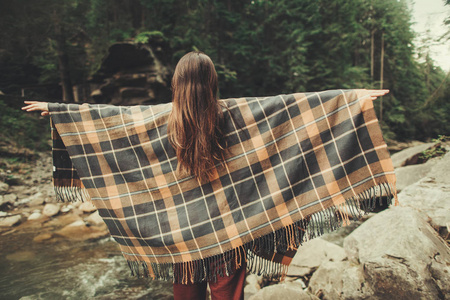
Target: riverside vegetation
261,48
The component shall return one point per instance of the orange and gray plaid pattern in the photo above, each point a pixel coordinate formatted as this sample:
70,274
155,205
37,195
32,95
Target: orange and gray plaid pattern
292,162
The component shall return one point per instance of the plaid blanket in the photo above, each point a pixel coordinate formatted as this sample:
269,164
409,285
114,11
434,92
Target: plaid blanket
296,166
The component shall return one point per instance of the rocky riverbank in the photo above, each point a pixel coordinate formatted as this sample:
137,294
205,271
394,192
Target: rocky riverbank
28,203
399,253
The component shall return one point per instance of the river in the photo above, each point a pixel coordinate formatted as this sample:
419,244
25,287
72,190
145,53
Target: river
70,270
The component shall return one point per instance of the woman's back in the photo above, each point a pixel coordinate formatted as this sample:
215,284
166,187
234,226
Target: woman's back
194,124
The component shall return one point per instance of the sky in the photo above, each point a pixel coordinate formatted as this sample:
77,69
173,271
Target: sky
429,16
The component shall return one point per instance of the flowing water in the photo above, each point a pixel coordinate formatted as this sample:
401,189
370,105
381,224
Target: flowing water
70,270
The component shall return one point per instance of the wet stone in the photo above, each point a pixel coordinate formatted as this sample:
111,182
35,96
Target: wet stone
10,221
11,198
35,216
50,209
37,199
21,256
42,237
3,187
95,219
87,207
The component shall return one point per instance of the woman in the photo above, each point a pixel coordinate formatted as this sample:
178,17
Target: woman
194,130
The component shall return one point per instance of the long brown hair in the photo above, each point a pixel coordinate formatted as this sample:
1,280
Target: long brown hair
194,124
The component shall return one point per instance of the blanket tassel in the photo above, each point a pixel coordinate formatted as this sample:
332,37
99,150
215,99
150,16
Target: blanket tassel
258,253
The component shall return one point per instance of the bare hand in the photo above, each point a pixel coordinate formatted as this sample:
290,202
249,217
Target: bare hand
36,105
373,94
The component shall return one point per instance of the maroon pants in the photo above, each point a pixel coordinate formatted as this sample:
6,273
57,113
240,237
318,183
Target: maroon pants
225,288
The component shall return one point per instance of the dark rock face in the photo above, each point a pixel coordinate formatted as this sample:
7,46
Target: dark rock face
133,74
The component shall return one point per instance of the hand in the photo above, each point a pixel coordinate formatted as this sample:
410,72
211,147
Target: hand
373,94
36,105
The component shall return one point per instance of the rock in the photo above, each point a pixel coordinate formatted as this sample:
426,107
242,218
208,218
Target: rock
337,237
77,223
409,156
37,199
411,174
301,282
252,286
22,202
10,221
67,208
63,220
287,290
400,254
35,216
296,280
79,231
50,209
42,237
95,219
76,204
440,172
11,198
396,146
21,256
4,203
3,187
15,181
431,195
312,254
87,207
433,202
134,74
339,280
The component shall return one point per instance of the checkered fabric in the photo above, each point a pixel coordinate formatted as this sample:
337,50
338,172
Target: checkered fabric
295,166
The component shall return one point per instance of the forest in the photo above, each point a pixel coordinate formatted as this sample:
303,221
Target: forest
260,47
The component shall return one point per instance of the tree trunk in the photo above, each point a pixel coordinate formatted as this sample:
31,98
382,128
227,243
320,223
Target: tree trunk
63,61
381,74
372,52
136,10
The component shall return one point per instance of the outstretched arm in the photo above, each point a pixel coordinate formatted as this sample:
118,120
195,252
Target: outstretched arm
43,106
36,106
374,94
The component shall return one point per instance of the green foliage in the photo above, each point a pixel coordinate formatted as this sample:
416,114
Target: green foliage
144,37
260,47
23,130
436,151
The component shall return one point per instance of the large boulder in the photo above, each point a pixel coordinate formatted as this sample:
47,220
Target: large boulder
411,174
337,236
135,73
431,195
401,256
312,254
252,285
340,280
409,156
287,290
